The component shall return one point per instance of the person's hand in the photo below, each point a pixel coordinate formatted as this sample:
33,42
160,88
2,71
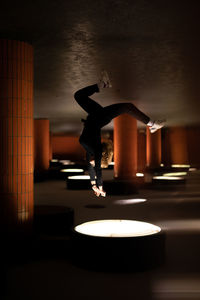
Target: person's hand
96,190
102,192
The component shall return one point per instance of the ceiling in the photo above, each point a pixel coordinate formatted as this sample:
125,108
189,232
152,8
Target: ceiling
150,49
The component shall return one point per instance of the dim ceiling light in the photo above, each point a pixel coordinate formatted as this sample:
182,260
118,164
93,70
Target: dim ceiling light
78,177
129,201
175,174
72,170
167,178
117,228
139,174
180,166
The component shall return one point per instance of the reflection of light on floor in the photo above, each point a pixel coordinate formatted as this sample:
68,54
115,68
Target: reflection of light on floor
167,177
181,225
72,170
180,166
175,174
117,228
192,169
177,287
54,160
139,174
129,201
82,177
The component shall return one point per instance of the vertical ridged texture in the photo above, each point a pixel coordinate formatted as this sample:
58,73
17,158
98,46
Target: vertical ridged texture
141,150
41,145
16,134
125,147
153,151
50,147
178,148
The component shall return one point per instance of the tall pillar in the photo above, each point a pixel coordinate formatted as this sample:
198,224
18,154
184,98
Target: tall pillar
178,145
16,135
41,145
141,150
125,147
153,151
50,147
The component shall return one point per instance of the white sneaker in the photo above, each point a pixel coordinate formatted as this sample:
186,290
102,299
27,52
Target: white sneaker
157,125
104,81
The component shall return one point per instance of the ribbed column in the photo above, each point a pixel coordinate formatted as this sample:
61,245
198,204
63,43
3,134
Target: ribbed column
41,145
50,147
153,151
125,147
16,134
178,145
141,150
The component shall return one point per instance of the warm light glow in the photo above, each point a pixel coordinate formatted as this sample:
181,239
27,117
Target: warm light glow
167,177
117,228
162,165
54,160
139,174
180,166
192,169
82,177
111,163
72,170
175,174
67,162
129,201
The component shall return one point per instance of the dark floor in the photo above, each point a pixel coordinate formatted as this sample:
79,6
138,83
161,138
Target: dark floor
175,210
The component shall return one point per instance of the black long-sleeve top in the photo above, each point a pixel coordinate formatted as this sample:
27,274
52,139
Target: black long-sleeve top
90,139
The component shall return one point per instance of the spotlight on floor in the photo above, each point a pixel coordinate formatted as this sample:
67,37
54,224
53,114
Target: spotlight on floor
78,182
116,244
129,201
67,162
70,172
192,169
168,180
172,174
139,175
180,166
164,178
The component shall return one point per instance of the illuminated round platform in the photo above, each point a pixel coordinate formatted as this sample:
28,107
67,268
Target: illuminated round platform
64,173
78,182
118,245
168,180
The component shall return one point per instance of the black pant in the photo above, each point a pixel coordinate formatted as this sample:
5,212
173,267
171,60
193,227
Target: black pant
103,115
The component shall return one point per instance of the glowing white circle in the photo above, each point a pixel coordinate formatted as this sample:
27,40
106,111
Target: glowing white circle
139,174
167,178
175,174
180,166
117,228
82,177
72,170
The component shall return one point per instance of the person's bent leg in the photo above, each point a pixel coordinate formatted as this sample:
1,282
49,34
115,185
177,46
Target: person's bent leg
112,111
82,98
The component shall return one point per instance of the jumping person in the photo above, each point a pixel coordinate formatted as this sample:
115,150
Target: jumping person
97,118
